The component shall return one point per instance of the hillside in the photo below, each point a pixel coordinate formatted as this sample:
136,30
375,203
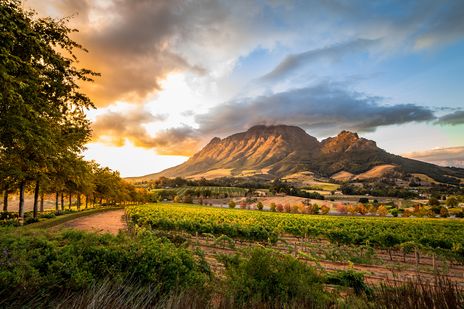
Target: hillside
277,151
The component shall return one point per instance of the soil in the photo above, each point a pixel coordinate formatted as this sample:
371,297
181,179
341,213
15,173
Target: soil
106,222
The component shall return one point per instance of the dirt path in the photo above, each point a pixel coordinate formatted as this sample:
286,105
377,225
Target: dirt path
105,222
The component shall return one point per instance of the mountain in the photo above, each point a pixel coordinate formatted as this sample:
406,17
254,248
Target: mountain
281,150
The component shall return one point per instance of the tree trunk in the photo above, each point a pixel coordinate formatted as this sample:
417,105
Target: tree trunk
101,201
70,200
36,198
78,201
5,200
62,201
22,187
57,198
42,202
86,201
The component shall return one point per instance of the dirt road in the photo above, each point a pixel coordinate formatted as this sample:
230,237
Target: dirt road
105,222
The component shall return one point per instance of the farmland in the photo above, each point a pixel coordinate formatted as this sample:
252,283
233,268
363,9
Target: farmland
214,191
392,249
441,235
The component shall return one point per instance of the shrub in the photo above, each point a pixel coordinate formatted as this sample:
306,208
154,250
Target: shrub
232,204
287,208
361,209
325,210
46,263
363,200
264,275
351,209
444,213
273,207
349,278
259,206
295,209
341,208
382,211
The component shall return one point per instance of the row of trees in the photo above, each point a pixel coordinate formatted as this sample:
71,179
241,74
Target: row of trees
43,127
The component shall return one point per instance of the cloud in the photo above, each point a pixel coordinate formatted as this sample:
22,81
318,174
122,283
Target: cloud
116,128
451,156
136,44
444,25
323,109
454,118
332,53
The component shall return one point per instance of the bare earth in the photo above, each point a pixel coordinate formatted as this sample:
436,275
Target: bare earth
106,222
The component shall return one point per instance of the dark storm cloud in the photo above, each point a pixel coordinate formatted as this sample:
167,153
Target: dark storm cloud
455,118
332,53
324,108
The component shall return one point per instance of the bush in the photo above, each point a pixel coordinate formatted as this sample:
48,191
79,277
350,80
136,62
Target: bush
46,263
349,278
259,206
273,207
264,275
325,210
232,204
363,200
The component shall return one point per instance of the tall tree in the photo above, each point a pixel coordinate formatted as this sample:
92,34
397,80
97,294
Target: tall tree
42,111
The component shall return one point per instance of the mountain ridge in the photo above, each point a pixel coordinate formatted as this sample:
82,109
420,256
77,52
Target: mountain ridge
280,150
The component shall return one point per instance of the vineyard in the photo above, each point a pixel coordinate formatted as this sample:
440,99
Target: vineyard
383,249
214,191
440,236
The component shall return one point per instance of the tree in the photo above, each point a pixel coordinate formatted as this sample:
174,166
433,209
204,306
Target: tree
325,210
42,111
382,211
273,207
444,213
452,201
232,204
363,200
433,201
361,209
341,208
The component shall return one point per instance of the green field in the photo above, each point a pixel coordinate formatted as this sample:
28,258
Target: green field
230,191
444,236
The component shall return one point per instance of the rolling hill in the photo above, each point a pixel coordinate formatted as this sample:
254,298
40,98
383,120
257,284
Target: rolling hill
280,150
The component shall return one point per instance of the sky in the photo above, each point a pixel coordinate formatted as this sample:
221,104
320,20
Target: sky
175,74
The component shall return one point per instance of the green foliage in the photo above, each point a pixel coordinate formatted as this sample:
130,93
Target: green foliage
451,201
264,275
273,207
349,278
51,263
259,206
440,235
232,204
